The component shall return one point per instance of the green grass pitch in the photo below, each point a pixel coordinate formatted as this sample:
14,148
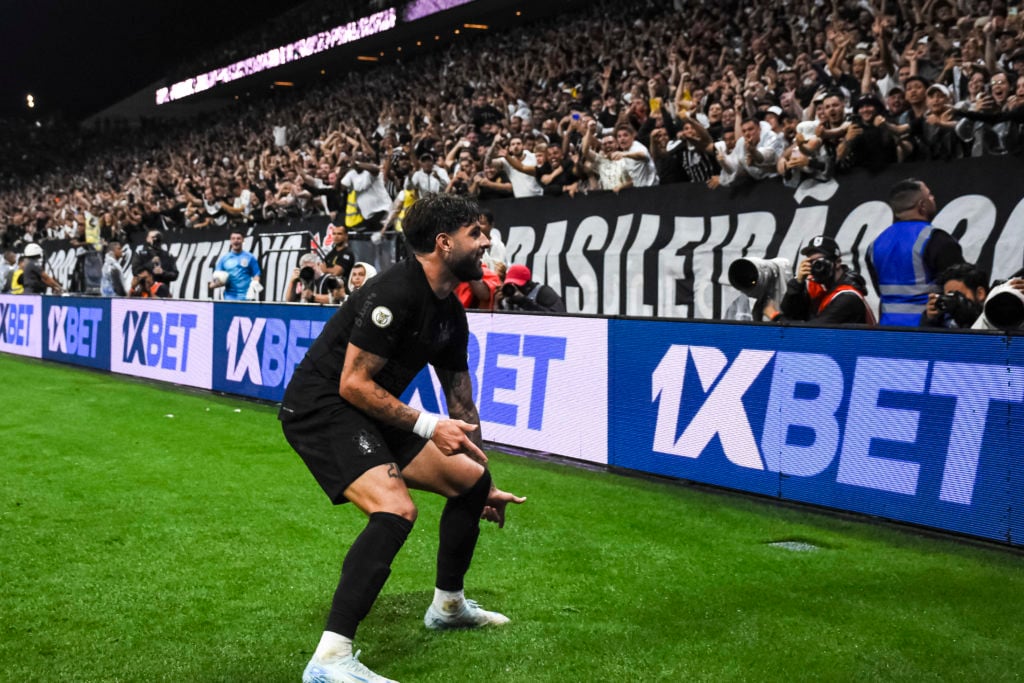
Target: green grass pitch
151,534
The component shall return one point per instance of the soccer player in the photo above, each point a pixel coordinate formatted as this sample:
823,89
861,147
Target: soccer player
341,413
242,269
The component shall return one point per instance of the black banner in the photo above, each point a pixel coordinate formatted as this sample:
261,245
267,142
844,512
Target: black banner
665,251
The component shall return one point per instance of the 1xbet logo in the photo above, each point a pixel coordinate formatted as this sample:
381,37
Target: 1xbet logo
805,395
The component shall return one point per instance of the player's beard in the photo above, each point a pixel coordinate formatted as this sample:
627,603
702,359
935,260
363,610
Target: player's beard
467,268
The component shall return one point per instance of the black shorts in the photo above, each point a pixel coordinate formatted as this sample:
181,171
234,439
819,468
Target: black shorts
339,443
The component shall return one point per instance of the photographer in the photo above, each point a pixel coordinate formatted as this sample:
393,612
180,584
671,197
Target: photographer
520,293
964,288
824,291
151,256
309,284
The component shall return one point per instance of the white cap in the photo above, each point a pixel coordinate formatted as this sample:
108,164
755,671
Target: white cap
32,250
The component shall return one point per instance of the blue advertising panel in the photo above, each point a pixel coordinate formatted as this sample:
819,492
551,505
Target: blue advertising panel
910,426
257,346
21,324
77,331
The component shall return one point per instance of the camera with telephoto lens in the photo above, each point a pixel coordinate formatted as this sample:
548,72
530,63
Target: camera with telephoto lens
509,290
307,276
822,270
331,283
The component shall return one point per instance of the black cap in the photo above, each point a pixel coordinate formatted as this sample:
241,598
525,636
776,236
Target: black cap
823,245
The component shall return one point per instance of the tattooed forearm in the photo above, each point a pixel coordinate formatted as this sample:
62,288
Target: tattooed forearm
459,394
359,388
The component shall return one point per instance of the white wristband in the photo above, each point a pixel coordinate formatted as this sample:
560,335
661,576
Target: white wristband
425,425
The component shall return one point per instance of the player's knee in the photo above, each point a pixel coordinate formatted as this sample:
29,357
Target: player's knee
406,510
477,492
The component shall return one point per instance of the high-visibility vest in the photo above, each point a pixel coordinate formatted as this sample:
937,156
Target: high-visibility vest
408,199
903,279
17,286
352,215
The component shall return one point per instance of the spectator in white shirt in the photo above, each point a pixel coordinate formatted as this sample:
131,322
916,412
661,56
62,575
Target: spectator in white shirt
635,157
429,179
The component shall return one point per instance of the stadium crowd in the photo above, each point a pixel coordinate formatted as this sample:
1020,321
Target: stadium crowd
609,96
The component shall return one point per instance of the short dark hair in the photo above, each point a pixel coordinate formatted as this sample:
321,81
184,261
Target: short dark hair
435,214
967,273
903,194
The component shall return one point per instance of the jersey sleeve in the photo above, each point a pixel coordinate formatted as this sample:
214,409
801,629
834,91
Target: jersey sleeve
379,324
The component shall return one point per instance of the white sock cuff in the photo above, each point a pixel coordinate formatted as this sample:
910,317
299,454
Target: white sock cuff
448,598
333,645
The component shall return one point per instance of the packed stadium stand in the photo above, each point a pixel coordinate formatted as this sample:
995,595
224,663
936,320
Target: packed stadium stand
713,93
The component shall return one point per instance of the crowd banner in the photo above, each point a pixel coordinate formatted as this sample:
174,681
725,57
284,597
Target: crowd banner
914,426
665,251
277,245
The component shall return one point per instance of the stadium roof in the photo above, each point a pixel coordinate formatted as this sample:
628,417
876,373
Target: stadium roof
77,59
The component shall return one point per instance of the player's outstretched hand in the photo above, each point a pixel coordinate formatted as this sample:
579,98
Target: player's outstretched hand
452,436
494,510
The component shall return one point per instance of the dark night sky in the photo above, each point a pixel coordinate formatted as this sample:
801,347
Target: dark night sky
78,57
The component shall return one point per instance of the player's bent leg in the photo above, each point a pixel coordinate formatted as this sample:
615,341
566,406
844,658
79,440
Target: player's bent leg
467,485
379,492
446,475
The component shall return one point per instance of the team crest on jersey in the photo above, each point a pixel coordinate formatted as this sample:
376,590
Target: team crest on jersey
381,316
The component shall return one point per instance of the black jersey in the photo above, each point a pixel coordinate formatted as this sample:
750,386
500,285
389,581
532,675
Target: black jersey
341,257
395,315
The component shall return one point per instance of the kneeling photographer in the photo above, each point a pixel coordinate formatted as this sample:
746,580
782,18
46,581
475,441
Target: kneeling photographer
964,288
824,291
309,284
520,293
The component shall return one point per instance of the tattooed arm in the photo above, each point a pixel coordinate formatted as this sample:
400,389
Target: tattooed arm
458,392
359,388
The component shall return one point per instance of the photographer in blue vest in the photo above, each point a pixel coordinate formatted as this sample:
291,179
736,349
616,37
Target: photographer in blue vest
905,259
825,291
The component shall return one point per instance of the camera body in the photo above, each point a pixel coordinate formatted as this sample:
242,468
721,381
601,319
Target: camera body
822,270
949,302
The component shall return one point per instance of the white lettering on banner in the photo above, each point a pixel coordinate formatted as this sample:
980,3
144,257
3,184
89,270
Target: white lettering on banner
545,261
612,267
1007,258
869,421
590,236
270,364
672,266
647,233
74,331
806,392
986,384
722,413
978,213
248,332
817,415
